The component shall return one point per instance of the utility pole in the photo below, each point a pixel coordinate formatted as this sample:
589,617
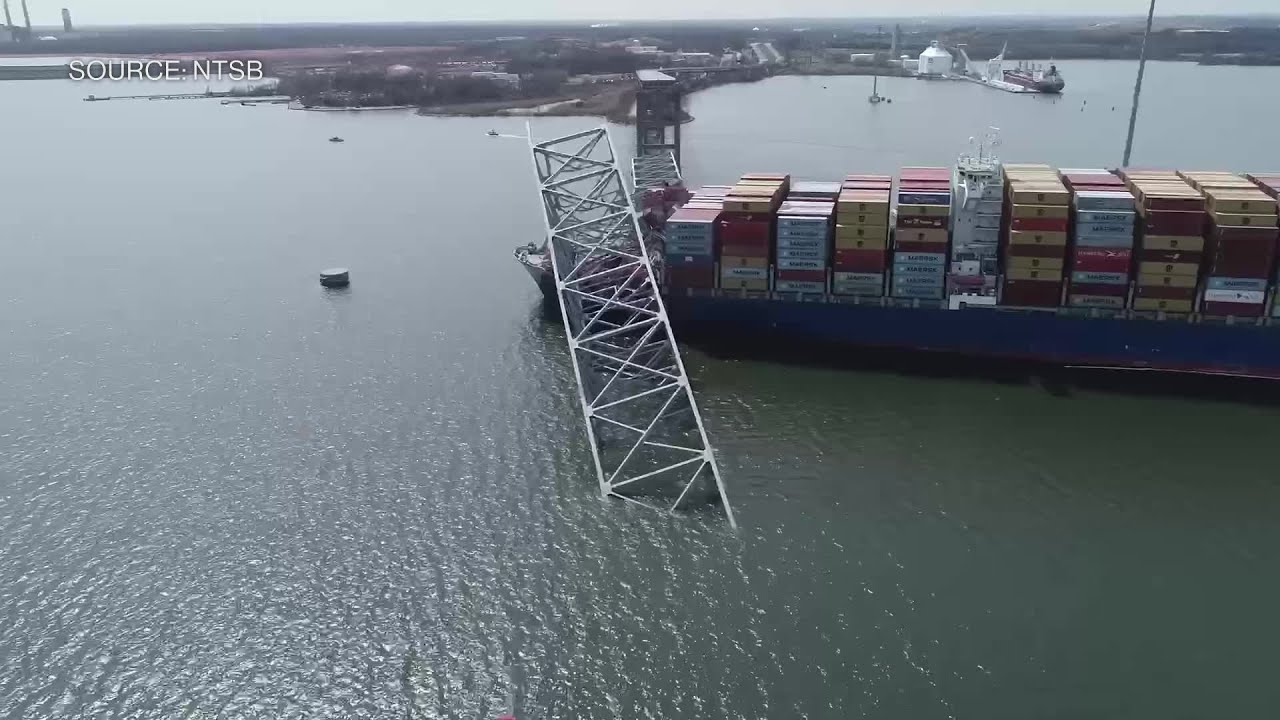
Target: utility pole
1137,87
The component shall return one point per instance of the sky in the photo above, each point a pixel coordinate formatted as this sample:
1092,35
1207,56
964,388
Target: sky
126,12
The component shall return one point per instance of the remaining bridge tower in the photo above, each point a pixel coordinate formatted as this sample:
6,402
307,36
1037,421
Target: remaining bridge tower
659,110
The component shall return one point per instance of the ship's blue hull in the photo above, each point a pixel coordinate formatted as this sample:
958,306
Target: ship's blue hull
1042,337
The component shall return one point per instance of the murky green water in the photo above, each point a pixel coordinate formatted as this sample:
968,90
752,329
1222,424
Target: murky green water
226,492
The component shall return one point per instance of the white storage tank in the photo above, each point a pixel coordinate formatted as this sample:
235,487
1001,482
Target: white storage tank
935,61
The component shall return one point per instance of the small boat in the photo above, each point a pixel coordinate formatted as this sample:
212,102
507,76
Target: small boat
493,133
335,138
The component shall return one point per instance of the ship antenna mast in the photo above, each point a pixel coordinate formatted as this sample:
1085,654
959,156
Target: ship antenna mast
1137,86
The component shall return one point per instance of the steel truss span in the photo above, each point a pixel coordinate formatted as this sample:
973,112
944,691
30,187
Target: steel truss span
647,438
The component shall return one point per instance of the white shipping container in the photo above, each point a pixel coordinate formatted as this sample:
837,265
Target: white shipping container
1248,297
799,286
745,273
793,264
858,278
802,253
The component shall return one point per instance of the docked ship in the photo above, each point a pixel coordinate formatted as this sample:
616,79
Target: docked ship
1036,78
1161,271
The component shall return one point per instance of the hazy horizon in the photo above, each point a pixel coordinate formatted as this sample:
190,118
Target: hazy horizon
251,12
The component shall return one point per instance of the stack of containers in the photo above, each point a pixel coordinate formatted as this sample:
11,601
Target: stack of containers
690,248
1270,184
861,236
921,236
1034,236
745,231
1171,226
708,197
803,246
1240,244
1101,237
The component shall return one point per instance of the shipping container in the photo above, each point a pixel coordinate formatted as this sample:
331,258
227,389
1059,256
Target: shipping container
1161,304
1104,200
1109,290
800,286
744,261
1114,260
1035,251
914,222
1039,225
1173,222
736,283
1031,293
1087,277
1034,263
1235,283
1057,238
1173,242
865,261
1109,302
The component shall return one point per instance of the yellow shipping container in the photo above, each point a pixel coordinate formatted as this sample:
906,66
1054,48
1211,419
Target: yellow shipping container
925,210
873,242
1034,237
748,205
1164,268
929,235
1244,202
743,284
872,218
861,230
1166,279
1015,167
1040,195
1173,242
747,261
1251,220
1033,263
1149,304
857,206
1019,273
1038,211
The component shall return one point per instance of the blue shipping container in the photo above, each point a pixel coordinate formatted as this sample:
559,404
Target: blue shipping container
1086,217
913,258
791,264
1229,283
802,253
689,259
802,286
906,197
916,281
802,243
1105,241
1104,200
905,269
1100,278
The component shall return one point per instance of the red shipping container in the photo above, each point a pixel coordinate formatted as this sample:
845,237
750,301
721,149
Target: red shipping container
691,276
735,233
1092,259
1233,233
925,173
1107,179
867,261
924,186
919,246
1230,308
1175,204
1174,222
922,221
1169,256
1241,267
1041,224
1037,251
803,275
746,250
1099,289
1164,292
1031,293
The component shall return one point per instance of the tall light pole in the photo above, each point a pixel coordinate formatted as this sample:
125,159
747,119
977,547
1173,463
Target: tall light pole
1137,87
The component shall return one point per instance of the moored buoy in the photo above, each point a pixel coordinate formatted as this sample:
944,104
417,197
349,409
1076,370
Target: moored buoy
335,277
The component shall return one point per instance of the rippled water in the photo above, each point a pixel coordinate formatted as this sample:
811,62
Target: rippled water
227,492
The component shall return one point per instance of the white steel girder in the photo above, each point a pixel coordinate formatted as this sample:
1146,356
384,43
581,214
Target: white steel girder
647,437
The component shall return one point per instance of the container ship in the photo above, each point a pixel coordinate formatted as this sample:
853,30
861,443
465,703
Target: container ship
1037,79
1157,270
